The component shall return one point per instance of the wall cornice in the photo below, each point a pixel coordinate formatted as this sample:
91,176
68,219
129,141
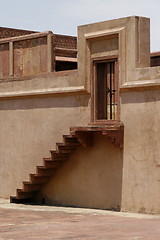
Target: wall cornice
78,90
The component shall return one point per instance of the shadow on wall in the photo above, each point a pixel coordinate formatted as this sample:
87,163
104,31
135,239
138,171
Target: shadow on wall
91,178
45,102
140,96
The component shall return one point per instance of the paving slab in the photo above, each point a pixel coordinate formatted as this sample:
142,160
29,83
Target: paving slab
18,221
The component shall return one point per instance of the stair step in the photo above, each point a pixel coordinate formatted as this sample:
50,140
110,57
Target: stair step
21,194
70,144
14,199
38,179
59,155
30,187
66,148
44,171
78,136
70,139
50,163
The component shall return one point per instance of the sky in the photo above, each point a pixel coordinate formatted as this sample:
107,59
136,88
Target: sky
63,16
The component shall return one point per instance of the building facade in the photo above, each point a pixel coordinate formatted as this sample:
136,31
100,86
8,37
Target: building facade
80,119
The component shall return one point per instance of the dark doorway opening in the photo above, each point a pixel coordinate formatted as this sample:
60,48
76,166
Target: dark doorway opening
106,91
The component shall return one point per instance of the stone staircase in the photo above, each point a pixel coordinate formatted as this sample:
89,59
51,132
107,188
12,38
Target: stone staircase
79,136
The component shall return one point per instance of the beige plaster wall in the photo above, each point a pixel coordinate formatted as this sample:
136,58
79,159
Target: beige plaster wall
133,43
103,48
92,178
141,167
44,82
30,127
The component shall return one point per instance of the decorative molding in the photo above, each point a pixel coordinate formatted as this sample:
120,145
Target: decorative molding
11,32
67,42
65,59
103,33
120,33
49,53
139,85
44,92
25,37
11,59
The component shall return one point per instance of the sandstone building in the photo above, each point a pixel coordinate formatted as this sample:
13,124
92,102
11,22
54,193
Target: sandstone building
80,117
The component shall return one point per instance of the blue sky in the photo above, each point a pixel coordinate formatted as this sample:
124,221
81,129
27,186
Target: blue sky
63,16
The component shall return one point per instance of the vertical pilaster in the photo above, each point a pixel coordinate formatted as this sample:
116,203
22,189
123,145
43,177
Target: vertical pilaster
11,59
49,52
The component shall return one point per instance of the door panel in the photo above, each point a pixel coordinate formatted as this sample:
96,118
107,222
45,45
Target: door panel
107,94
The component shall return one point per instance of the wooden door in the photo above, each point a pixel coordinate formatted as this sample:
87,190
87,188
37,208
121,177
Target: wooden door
106,90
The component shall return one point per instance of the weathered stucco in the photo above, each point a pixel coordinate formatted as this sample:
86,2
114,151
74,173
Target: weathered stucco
91,178
29,130
141,163
35,111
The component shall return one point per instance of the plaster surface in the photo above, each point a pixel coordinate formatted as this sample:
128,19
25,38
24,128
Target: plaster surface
141,164
91,178
36,111
29,130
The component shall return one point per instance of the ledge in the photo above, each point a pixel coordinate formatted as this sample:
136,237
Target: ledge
65,59
45,92
113,133
107,127
155,54
25,37
103,33
41,75
140,85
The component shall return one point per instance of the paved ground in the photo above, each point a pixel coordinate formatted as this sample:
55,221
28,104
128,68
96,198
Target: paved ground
44,222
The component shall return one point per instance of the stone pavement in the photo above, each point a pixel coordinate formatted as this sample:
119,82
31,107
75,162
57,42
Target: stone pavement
48,222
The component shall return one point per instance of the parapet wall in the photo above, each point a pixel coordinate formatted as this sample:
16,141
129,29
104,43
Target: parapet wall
36,53
12,32
36,111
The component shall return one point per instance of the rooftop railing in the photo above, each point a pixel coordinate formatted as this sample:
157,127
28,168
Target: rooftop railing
35,54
